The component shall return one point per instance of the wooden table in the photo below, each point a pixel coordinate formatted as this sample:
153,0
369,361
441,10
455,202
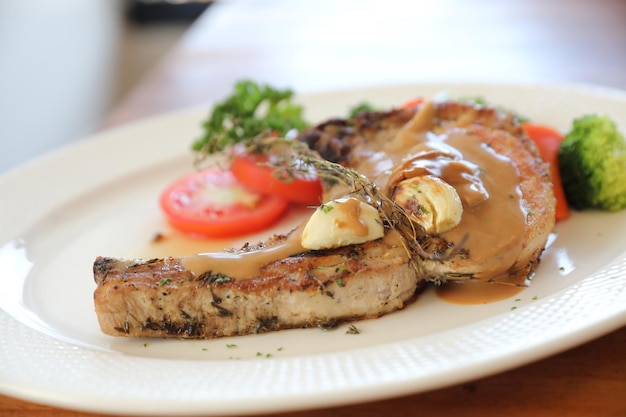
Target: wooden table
326,44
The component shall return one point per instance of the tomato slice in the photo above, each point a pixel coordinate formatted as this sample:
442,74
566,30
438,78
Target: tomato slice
249,170
413,103
213,203
548,140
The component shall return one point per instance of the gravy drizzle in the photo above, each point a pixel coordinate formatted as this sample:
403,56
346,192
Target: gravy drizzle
477,292
487,183
351,207
244,264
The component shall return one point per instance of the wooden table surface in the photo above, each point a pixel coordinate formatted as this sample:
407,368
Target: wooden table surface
326,44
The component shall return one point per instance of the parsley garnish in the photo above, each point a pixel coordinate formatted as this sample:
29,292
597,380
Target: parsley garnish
220,278
360,108
326,208
250,111
352,329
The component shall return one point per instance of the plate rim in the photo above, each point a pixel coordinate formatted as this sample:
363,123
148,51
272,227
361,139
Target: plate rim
49,396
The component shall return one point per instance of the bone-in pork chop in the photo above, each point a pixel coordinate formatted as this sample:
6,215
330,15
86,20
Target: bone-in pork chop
508,212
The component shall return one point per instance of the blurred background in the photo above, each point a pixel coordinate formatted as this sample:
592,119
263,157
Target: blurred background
70,67
65,63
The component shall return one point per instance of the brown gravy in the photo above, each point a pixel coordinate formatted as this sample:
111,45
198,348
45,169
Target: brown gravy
351,207
244,264
486,182
476,292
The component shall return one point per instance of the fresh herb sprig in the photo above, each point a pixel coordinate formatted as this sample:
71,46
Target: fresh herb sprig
260,118
395,217
361,107
481,101
251,110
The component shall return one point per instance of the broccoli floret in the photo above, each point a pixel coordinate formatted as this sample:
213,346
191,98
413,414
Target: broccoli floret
592,163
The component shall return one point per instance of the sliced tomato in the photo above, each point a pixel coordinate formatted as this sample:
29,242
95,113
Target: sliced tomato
252,171
213,203
548,140
411,104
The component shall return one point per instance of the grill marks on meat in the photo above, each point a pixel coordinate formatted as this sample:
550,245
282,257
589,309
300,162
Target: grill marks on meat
161,298
343,141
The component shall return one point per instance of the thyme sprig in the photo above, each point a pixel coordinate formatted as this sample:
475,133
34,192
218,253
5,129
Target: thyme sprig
294,159
291,158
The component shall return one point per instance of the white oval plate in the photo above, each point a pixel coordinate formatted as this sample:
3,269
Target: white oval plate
98,197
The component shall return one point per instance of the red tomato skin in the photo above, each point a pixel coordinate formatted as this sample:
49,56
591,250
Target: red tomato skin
248,169
413,103
548,141
232,221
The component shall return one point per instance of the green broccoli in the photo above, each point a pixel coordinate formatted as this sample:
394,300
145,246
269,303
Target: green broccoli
592,163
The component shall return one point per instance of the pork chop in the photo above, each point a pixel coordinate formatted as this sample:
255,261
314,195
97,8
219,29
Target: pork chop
199,297
360,143
164,298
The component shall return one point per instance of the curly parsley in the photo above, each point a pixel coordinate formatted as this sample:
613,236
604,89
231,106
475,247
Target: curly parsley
251,110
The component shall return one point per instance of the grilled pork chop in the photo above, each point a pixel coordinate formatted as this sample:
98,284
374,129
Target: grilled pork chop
163,298
279,285
362,143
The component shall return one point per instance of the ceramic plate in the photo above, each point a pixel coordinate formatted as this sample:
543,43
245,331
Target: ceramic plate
99,197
